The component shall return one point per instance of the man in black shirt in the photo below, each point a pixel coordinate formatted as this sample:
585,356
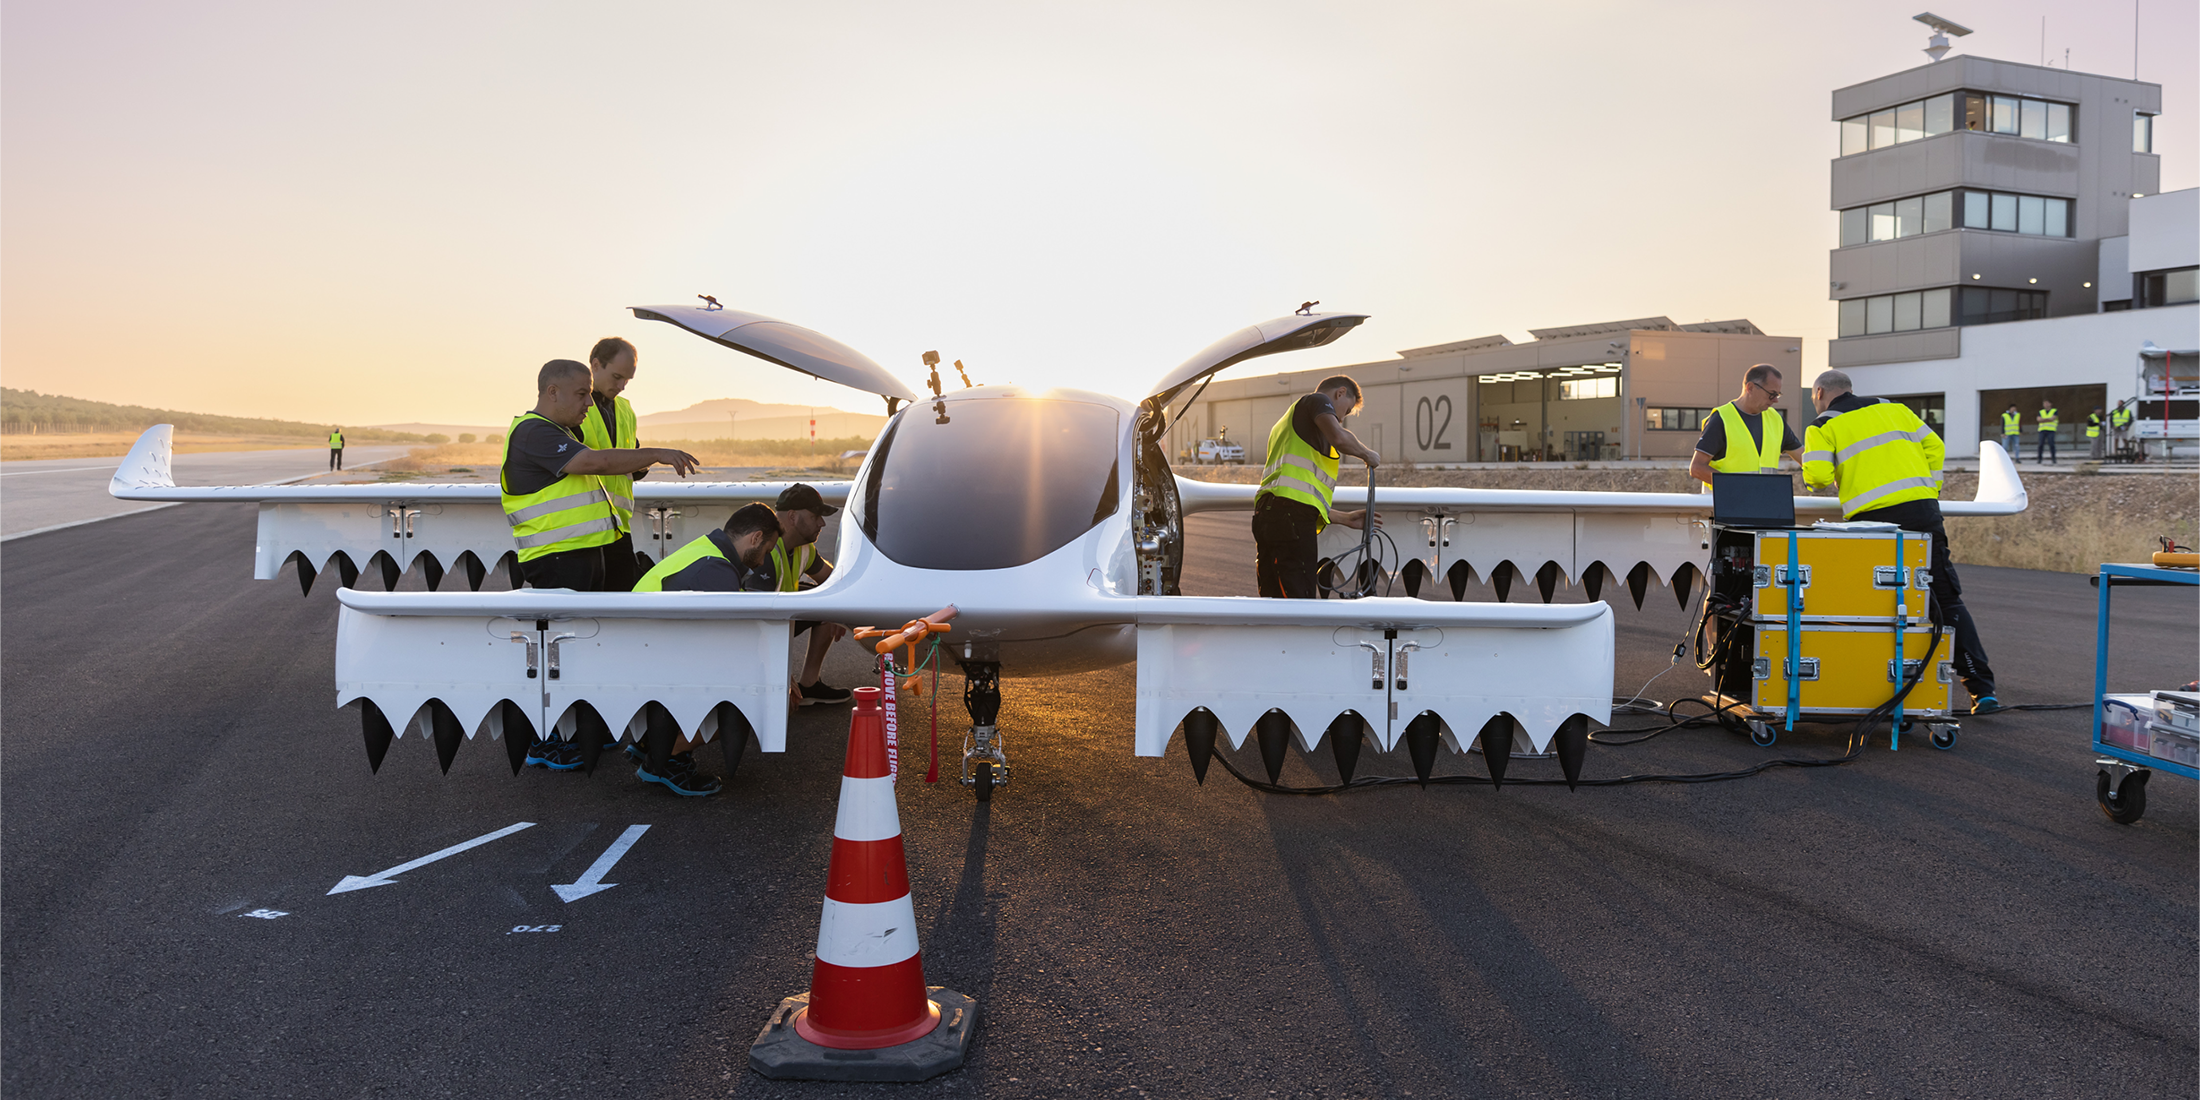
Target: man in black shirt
1761,387
545,447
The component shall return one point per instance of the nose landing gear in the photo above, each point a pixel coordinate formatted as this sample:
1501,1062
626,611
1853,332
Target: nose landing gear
984,764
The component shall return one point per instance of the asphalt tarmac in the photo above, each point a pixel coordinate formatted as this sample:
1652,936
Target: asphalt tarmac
178,795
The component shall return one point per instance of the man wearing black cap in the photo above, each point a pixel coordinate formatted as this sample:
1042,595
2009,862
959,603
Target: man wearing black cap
794,558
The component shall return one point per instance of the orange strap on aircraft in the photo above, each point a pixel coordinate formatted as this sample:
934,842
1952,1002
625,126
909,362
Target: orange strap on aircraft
909,632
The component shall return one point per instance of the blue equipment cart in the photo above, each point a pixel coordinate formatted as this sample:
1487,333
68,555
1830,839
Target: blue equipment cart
2122,785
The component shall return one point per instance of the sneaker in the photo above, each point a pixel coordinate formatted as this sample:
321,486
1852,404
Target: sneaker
680,777
822,692
1986,704
558,756
636,753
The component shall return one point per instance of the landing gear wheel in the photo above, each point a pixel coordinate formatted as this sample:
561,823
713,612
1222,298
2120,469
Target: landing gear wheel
982,780
1944,737
2127,802
1762,734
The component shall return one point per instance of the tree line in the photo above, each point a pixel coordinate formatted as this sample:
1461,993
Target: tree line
30,412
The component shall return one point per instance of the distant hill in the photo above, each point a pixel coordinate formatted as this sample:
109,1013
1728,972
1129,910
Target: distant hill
742,408
29,411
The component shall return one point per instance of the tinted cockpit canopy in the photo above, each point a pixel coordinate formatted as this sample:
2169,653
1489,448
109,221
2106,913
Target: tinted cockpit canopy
1000,483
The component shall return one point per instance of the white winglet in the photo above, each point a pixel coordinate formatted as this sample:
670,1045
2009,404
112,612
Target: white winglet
148,464
2000,490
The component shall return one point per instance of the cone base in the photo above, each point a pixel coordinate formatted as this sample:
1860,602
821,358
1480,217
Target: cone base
781,1052
868,1040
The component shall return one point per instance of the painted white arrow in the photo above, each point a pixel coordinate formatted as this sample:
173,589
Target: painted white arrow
591,881
382,878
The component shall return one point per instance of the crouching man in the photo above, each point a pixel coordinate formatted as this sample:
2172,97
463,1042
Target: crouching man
796,564
734,558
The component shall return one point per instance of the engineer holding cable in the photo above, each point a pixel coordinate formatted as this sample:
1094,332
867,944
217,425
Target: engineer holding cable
1304,448
1886,465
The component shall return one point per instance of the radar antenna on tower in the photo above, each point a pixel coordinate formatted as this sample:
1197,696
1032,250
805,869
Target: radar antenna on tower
1937,46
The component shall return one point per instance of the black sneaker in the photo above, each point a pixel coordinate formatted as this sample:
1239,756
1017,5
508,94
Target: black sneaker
679,776
558,756
822,692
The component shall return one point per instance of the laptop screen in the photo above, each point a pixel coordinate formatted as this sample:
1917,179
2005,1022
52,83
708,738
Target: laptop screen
1753,500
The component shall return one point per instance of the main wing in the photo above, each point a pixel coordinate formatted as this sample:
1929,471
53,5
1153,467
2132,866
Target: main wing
388,527
1549,537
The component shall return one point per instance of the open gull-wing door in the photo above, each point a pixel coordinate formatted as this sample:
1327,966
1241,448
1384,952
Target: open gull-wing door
790,346
1300,330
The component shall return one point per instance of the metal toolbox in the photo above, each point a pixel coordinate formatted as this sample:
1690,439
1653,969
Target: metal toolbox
2178,710
1845,576
1847,668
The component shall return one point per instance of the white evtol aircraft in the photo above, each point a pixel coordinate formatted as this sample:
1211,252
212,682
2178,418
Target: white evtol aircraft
1051,520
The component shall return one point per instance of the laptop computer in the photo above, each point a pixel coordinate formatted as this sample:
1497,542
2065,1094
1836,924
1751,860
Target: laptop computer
1752,500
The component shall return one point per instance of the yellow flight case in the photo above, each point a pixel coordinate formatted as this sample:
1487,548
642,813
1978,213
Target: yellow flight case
1846,576
1848,668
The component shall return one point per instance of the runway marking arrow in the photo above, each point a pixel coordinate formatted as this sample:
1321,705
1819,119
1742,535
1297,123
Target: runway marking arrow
383,878
591,880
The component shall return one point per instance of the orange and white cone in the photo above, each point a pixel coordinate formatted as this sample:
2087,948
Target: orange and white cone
867,990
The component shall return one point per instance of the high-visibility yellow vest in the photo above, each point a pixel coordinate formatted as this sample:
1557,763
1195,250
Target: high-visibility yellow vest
571,513
1743,455
2120,416
788,567
1297,471
2048,422
336,441
2012,423
695,551
2093,426
1877,455
619,487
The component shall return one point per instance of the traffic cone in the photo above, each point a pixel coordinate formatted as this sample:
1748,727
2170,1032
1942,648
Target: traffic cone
868,1015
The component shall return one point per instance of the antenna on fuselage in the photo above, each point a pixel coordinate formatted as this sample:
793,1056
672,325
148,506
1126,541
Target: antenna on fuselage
932,360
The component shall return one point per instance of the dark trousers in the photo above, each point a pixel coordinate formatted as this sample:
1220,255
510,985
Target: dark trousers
1923,516
621,569
1284,547
335,458
580,570
2046,446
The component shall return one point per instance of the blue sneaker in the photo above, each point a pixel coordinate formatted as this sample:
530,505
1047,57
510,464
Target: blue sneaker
636,753
679,776
558,756
1986,704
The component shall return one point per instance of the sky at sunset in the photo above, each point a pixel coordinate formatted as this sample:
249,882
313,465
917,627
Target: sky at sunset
374,213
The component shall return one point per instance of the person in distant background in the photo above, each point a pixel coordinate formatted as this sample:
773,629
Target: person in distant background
2050,420
336,448
2093,425
610,425
2012,433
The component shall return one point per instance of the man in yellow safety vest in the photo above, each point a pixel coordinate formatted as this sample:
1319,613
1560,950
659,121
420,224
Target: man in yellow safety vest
1886,465
2119,423
1297,484
553,493
733,558
2012,433
610,425
2044,450
794,560
336,448
1736,438
2093,423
